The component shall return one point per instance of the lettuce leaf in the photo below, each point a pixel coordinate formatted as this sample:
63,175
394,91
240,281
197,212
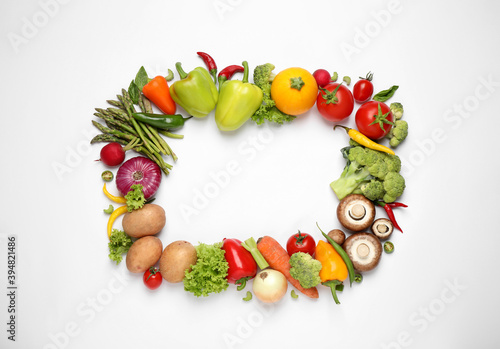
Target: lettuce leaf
209,274
135,197
119,243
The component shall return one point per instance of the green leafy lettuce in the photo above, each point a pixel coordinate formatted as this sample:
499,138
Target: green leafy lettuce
209,274
119,243
135,197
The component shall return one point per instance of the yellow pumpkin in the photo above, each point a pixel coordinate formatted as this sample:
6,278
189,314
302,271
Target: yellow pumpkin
294,90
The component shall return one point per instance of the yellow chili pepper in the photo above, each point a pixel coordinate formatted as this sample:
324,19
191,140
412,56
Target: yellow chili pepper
117,199
365,141
112,218
334,270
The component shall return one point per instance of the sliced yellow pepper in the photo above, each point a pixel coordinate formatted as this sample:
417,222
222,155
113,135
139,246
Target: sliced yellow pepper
117,199
112,218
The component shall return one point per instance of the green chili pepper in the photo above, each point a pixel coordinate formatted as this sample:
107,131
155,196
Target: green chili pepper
388,247
161,121
343,254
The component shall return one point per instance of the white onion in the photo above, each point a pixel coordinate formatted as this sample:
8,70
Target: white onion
139,170
270,285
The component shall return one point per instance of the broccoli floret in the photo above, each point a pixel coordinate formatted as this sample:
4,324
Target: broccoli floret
305,269
398,133
394,185
369,172
372,190
262,77
397,110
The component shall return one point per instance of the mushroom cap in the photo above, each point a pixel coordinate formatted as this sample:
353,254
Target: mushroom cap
364,250
337,235
382,228
355,212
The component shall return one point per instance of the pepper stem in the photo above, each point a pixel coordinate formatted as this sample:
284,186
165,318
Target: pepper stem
242,282
335,285
181,71
344,127
245,71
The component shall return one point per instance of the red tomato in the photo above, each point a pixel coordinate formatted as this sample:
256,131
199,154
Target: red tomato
301,242
374,120
335,102
152,278
363,89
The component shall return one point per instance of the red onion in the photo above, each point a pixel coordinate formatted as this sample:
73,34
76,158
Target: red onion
139,170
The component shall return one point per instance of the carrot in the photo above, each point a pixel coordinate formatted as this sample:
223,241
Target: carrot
279,260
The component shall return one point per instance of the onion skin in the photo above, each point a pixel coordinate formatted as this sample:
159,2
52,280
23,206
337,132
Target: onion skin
139,170
270,285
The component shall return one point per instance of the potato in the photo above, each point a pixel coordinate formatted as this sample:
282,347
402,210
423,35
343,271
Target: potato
148,220
176,259
143,254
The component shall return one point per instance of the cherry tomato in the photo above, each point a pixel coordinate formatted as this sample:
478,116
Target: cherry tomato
152,278
301,242
335,102
363,89
374,119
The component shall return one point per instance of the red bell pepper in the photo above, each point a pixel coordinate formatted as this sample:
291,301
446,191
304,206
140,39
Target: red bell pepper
242,265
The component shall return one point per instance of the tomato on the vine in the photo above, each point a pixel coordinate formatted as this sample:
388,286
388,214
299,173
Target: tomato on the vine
301,242
363,89
335,102
152,278
374,119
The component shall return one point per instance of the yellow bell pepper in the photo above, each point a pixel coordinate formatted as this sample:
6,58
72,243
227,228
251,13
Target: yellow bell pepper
334,270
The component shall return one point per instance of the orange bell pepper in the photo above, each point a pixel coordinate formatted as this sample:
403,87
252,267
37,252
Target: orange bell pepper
158,92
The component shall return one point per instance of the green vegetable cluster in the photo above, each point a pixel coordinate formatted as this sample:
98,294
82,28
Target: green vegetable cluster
209,274
262,77
399,131
135,197
119,244
369,172
305,269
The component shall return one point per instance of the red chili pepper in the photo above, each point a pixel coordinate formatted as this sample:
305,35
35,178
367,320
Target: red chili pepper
157,91
242,265
210,63
397,204
390,214
226,73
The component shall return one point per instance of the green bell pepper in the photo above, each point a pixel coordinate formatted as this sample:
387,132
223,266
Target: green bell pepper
195,92
238,101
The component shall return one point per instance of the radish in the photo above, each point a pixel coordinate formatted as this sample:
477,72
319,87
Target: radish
112,154
322,77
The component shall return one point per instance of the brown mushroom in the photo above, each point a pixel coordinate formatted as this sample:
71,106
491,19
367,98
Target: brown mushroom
382,228
337,235
364,250
355,212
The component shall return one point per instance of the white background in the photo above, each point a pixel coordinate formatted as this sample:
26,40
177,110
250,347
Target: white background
61,59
